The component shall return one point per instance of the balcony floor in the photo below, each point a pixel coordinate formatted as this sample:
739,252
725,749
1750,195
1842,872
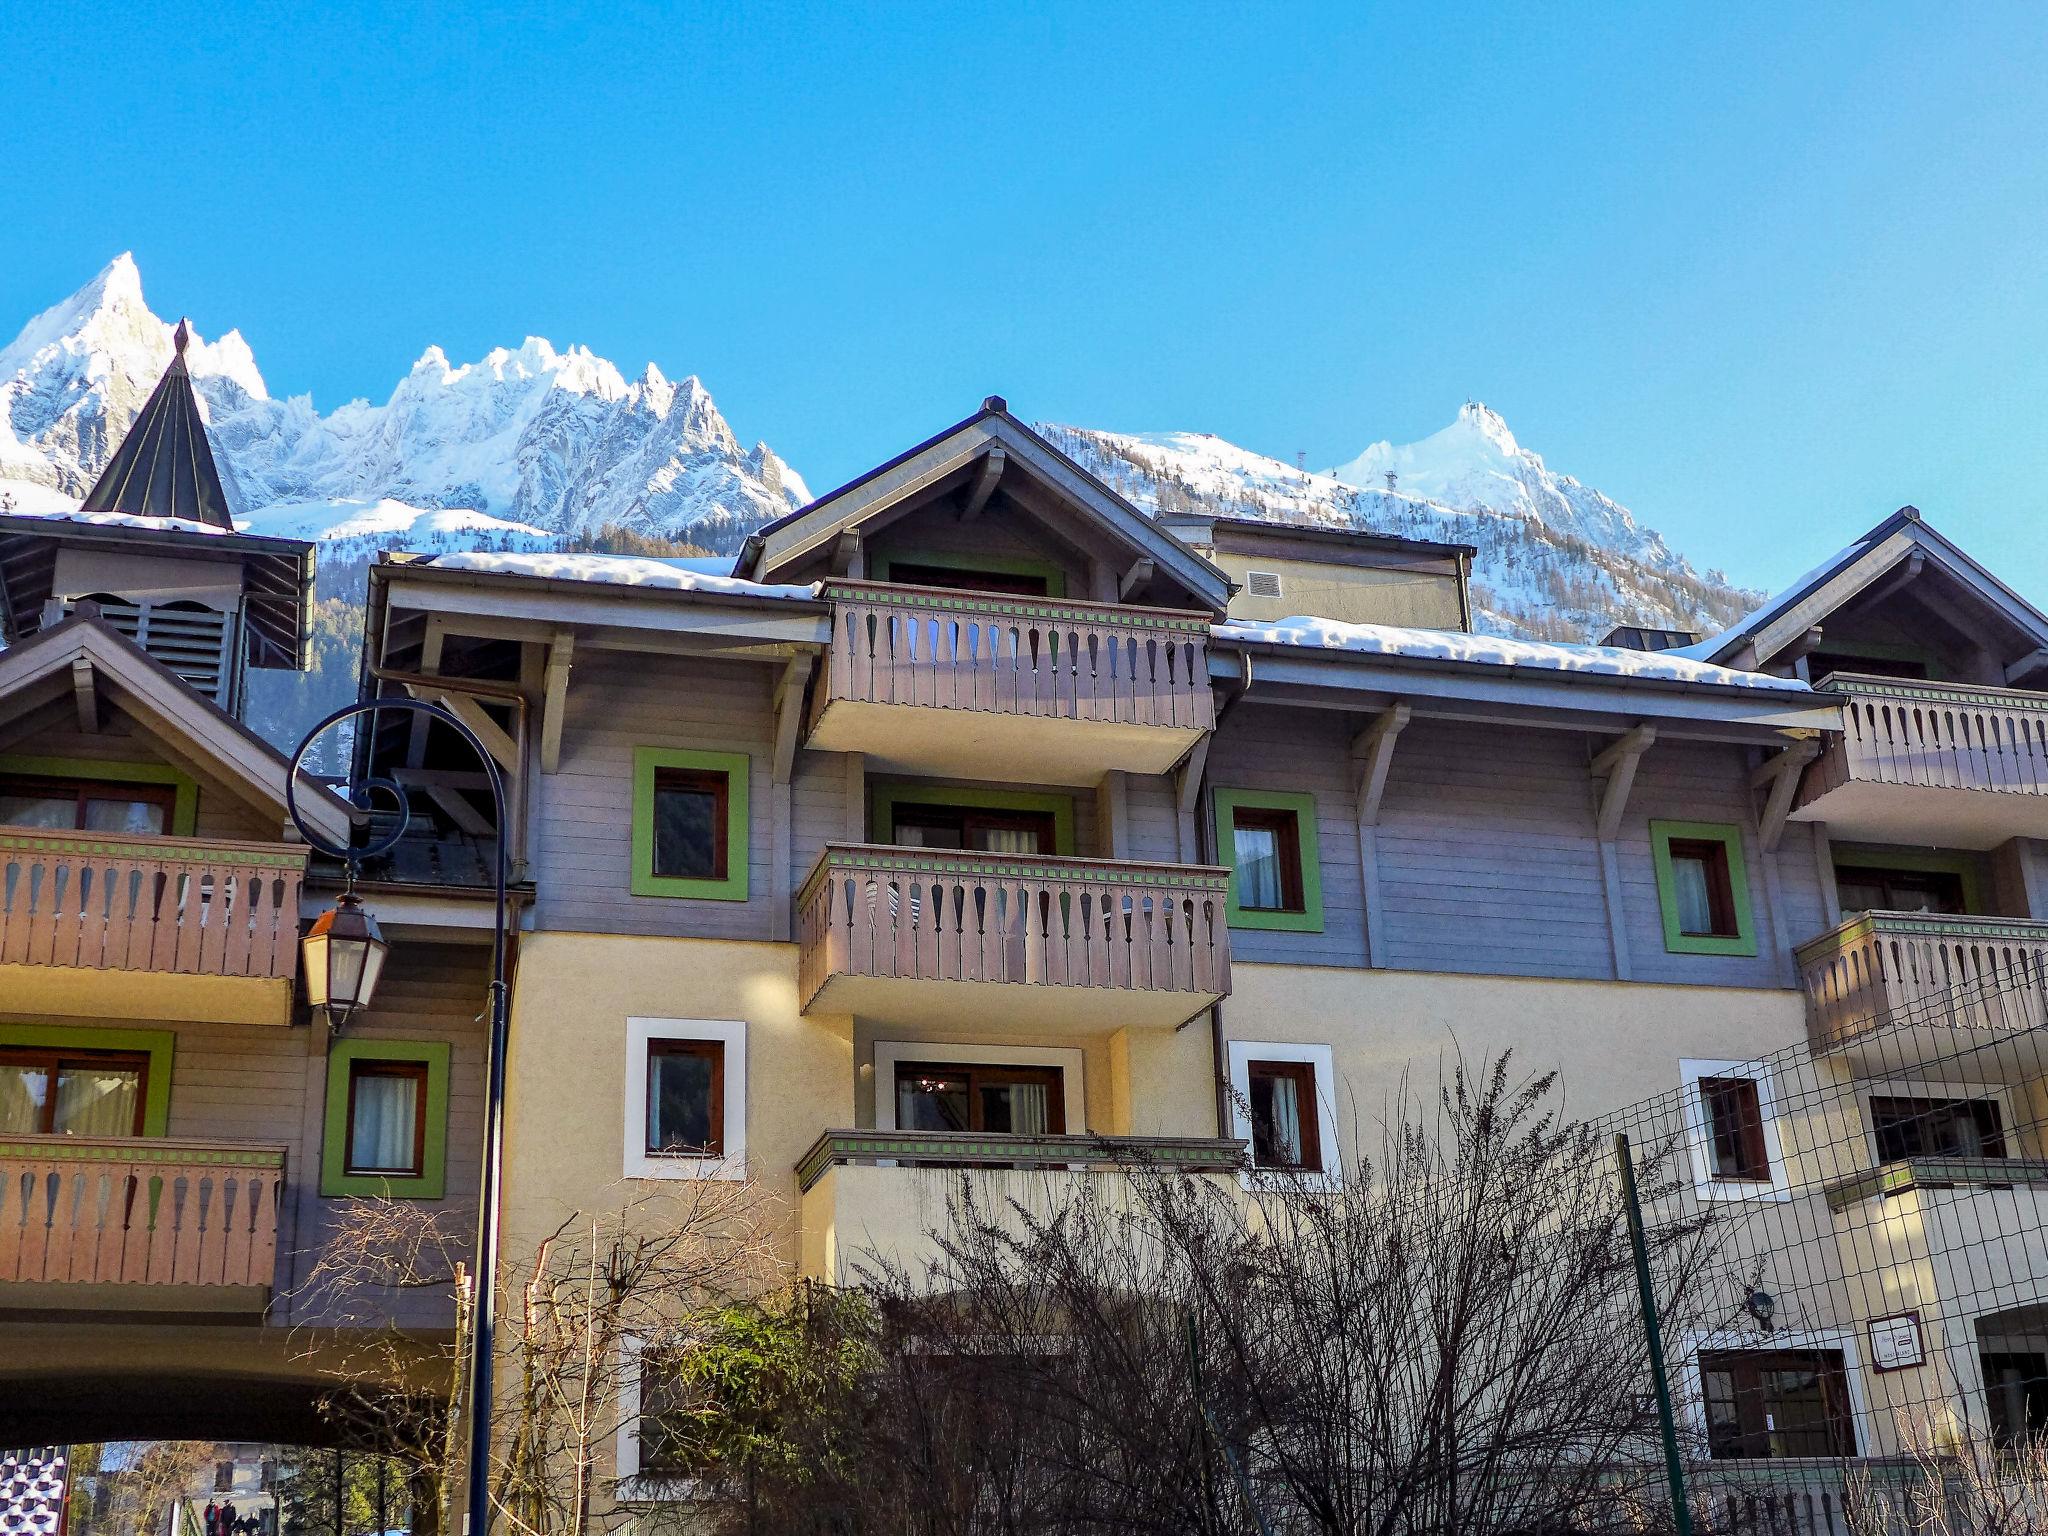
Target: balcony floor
978,744
1028,1008
1952,816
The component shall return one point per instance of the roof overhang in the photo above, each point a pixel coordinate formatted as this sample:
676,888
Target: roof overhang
782,545
1514,695
185,724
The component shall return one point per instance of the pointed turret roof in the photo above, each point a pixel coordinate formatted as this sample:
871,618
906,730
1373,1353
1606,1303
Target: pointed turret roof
164,468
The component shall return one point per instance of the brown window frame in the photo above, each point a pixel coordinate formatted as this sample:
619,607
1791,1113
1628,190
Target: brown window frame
1946,889
994,1075
361,1067
1911,1106
1749,1142
971,819
1286,824
54,1059
83,791
718,785
1303,1075
1746,1367
1713,853
712,1051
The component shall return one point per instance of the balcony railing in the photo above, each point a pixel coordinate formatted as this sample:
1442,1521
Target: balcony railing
164,904
919,914
143,1211
936,648
1934,734
1913,1173
952,1149
1881,971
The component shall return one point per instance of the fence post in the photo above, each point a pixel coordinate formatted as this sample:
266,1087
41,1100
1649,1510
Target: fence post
1674,1468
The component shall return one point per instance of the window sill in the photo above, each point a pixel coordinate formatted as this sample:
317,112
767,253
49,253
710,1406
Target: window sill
672,1167
1277,922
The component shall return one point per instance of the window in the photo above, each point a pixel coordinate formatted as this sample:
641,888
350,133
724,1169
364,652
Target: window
1864,888
665,1401
686,1099
1269,839
387,1118
58,805
1283,1113
980,831
966,578
66,1080
1774,1403
386,1130
1735,1128
690,824
999,1100
1927,1127
1283,1100
1702,888
2016,1391
223,1477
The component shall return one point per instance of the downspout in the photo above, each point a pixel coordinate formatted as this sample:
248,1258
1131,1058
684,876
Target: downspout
1205,843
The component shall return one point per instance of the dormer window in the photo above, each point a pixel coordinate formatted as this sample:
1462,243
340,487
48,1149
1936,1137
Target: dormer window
77,805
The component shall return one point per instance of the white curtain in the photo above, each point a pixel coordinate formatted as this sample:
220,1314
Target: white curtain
1028,1104
1287,1120
96,1101
1258,867
1689,890
1011,839
387,1110
23,1091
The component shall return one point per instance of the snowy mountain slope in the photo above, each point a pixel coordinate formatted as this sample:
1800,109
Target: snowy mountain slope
525,438
1557,560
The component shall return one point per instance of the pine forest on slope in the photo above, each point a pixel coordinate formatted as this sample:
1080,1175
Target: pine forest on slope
531,448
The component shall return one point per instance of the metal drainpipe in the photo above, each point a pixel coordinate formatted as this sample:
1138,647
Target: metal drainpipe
1205,843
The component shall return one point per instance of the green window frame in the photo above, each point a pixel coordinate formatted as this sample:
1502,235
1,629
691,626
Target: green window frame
94,770
737,768
1303,805
883,799
156,1044
1729,836
996,564
431,1183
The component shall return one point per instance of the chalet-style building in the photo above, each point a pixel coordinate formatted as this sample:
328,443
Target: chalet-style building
977,815
174,1128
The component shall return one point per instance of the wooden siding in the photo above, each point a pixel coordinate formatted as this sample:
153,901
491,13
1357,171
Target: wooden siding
221,813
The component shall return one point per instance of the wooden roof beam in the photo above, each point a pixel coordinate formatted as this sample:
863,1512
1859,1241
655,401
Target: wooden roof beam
789,712
2027,665
85,694
1616,765
1372,751
985,479
1137,576
555,698
1781,772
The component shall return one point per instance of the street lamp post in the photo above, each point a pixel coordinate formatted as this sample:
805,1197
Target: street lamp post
349,951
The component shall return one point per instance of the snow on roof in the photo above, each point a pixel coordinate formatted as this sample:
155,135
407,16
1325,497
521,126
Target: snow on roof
1494,650
118,520
675,575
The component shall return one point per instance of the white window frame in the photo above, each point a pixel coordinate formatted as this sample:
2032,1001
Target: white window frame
633,1488
1694,1400
890,1053
1241,1054
732,1163
1700,1142
1931,1088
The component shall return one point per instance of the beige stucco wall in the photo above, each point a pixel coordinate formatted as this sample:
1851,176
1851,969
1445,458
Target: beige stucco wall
1359,595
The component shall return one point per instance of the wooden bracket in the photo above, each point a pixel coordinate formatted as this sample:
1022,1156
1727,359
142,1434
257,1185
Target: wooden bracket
1617,765
789,711
1136,577
555,699
85,693
984,484
848,558
2032,662
1372,752
466,709
1187,778
1781,771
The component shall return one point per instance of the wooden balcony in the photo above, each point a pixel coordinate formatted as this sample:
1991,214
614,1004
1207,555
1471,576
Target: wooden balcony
148,1223
880,1195
1902,742
924,936
957,684
159,927
1893,991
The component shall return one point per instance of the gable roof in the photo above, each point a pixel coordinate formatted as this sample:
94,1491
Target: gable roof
773,548
164,466
1900,538
46,667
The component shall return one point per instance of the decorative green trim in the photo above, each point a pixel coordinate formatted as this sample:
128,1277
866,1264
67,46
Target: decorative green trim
156,1044
1175,620
1303,804
1743,942
1935,694
1934,1172
994,564
92,845
432,1181
736,767
884,797
839,858
184,806
1876,856
1193,1154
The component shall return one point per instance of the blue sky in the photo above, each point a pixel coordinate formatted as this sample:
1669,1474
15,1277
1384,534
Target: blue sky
1761,273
